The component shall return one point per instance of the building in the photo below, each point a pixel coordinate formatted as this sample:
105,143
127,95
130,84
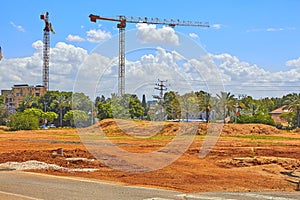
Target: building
14,96
275,114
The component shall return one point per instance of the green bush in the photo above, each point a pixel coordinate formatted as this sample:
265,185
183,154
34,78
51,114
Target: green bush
23,121
257,118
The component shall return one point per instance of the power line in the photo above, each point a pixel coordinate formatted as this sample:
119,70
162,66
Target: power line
161,87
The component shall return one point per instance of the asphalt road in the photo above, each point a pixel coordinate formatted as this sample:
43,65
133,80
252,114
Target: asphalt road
16,185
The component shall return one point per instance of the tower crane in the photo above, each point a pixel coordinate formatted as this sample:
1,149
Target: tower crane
46,48
122,20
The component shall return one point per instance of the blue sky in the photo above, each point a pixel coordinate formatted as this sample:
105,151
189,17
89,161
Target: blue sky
256,34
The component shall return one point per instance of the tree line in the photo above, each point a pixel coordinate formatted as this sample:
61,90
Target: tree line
76,109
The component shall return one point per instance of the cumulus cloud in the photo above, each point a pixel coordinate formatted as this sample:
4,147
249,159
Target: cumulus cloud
293,63
148,33
64,62
251,79
97,36
96,74
142,73
74,38
18,27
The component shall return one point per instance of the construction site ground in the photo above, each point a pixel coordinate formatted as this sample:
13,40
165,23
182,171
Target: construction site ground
246,157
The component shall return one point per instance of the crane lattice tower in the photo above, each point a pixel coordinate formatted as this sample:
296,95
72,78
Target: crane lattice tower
122,20
46,48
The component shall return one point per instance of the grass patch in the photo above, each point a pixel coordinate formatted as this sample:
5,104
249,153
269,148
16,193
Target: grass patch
267,143
67,135
263,137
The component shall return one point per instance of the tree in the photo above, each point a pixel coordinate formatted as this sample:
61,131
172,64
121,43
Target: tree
135,107
205,104
292,103
81,102
126,106
76,117
4,114
172,105
227,103
104,110
61,102
49,116
144,106
1,99
28,101
34,112
100,99
289,117
189,104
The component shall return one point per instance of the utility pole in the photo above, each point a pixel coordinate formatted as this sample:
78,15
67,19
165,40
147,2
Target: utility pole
161,87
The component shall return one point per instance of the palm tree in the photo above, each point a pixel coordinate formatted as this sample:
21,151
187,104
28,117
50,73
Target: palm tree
61,103
205,103
292,103
28,101
227,103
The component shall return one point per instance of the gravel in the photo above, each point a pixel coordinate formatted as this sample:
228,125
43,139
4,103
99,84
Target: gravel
36,165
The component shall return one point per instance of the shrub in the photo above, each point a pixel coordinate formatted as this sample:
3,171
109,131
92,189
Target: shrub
23,121
257,118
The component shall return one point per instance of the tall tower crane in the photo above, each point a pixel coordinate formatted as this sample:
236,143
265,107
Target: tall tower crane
46,48
122,20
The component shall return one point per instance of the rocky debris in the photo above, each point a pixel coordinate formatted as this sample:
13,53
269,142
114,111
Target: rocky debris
37,165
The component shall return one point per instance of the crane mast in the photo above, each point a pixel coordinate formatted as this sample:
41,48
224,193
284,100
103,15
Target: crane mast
46,48
122,20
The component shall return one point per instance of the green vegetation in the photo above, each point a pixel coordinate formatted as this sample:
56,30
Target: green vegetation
68,109
264,137
23,121
76,117
47,109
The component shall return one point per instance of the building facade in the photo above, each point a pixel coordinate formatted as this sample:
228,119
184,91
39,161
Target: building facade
14,96
275,114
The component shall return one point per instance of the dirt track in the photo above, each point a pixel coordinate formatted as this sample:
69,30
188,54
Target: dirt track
245,158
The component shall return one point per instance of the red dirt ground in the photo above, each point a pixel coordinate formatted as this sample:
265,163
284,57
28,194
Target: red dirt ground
237,162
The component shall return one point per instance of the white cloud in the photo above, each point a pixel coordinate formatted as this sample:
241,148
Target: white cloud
148,33
99,74
74,38
293,63
246,78
274,29
216,26
271,29
64,63
18,27
193,35
97,36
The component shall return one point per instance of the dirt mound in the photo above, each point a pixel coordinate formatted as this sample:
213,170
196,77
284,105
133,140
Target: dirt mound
249,129
113,127
286,163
